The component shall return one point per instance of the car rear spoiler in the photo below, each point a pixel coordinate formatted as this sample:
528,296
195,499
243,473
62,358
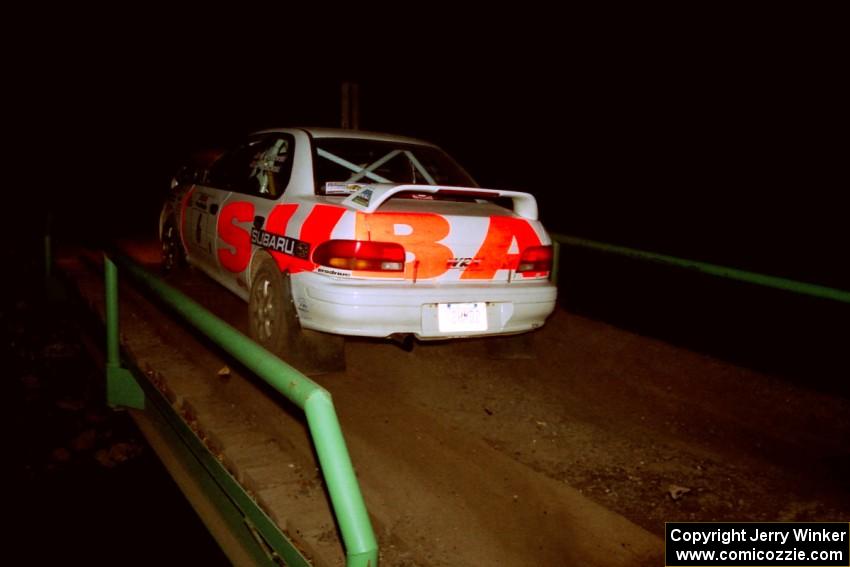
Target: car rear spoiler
369,197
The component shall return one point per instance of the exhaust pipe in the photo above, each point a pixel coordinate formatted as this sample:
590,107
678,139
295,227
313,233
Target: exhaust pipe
404,340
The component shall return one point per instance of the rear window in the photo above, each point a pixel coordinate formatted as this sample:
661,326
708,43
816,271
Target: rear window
340,164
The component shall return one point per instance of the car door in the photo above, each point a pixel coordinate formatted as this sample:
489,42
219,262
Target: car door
260,175
199,224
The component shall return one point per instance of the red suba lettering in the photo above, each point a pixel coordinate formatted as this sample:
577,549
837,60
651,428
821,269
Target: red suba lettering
431,258
235,260
316,229
278,220
494,251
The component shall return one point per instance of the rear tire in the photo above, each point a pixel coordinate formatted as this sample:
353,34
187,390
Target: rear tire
273,323
271,311
173,256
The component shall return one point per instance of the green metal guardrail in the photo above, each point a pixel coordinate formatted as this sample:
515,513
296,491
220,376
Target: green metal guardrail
785,284
349,508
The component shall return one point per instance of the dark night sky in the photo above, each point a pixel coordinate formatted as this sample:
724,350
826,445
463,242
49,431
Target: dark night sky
720,137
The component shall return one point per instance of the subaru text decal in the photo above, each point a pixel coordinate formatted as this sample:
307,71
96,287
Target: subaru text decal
286,244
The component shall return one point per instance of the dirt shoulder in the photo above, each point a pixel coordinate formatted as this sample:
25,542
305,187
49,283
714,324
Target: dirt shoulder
654,432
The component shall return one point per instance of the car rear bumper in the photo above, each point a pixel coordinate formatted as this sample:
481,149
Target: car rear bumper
355,307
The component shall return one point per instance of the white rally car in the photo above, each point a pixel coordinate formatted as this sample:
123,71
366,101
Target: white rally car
344,232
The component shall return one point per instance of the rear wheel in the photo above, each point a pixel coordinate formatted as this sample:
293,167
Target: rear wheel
173,257
273,322
270,315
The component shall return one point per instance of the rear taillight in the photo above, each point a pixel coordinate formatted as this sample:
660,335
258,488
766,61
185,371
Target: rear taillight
535,259
360,255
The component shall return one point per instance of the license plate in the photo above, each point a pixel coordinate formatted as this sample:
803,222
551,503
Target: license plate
452,317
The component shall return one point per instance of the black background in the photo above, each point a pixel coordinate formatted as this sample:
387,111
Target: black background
715,135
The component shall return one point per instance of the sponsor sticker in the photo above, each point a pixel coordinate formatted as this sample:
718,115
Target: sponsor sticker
341,188
201,201
285,244
462,263
363,198
332,272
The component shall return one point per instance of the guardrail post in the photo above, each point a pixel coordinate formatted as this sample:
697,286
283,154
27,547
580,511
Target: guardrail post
360,545
122,390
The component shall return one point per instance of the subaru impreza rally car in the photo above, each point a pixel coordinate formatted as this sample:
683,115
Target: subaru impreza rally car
345,232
